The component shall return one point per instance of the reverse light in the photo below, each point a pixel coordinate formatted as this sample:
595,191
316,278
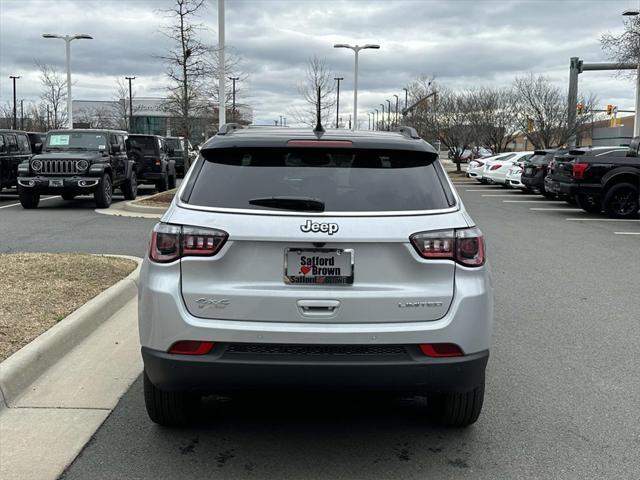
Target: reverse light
441,350
171,242
191,347
465,245
579,169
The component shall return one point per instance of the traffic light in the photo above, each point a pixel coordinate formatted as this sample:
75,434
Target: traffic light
580,108
609,109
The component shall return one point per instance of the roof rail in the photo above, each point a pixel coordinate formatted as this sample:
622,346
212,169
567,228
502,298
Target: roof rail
409,132
227,128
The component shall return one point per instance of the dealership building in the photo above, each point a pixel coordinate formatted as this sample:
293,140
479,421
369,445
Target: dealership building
151,116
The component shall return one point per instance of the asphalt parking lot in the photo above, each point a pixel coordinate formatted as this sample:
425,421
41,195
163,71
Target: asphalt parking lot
563,383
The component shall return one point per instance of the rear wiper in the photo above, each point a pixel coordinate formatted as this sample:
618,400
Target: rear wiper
304,204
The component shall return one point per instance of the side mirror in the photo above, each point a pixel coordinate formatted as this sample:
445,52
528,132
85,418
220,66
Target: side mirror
37,148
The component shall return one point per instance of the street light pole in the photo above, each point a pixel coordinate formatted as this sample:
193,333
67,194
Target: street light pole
368,121
22,114
356,49
406,97
396,116
233,98
15,121
338,79
375,127
388,114
130,104
636,121
382,105
67,40
222,97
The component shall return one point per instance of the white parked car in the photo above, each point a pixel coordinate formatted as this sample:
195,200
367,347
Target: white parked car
476,167
496,171
304,261
512,180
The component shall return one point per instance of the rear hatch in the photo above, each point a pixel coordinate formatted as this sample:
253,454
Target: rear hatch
147,149
318,235
537,163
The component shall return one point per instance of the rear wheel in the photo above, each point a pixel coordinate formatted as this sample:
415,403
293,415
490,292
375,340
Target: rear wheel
621,201
170,409
162,184
549,195
570,199
130,187
172,181
67,196
589,203
28,198
457,409
104,192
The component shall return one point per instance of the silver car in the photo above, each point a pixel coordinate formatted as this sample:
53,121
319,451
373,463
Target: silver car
292,259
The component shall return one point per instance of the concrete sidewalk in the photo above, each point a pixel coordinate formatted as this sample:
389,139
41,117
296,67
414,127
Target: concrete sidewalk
49,424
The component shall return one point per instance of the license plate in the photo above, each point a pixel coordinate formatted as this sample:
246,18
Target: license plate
56,183
318,266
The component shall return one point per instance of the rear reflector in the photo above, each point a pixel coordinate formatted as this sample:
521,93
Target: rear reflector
441,350
191,347
320,143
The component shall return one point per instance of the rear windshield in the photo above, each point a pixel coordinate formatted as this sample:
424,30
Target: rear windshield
145,144
345,180
542,159
174,143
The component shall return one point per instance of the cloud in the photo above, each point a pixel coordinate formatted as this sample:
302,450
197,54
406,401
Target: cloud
464,43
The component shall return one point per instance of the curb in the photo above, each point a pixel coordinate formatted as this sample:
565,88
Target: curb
27,364
132,207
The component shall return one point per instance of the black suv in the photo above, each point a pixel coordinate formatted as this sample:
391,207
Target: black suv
534,170
15,148
79,162
153,165
176,144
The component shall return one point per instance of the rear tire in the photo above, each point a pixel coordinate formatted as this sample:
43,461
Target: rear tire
67,196
162,184
589,203
104,192
549,195
28,198
621,201
457,409
172,181
169,409
571,200
130,187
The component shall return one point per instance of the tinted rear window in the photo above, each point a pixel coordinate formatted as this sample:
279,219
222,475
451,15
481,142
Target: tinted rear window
346,180
145,144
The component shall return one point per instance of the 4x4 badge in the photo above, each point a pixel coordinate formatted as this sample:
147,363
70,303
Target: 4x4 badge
329,228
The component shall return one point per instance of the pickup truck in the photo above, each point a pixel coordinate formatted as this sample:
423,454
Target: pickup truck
599,178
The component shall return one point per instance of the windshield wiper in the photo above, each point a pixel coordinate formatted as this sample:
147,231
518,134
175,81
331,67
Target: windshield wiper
304,204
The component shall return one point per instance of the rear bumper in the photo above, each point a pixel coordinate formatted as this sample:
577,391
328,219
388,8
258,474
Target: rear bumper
536,182
221,371
571,189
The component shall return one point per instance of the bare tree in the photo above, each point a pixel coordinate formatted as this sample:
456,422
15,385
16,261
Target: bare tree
317,75
53,95
543,112
186,65
121,108
100,117
494,117
624,48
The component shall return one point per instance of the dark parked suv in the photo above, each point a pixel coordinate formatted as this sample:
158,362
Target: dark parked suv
177,144
153,165
79,162
14,149
534,170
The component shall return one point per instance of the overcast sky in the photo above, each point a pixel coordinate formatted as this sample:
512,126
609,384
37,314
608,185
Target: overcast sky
463,43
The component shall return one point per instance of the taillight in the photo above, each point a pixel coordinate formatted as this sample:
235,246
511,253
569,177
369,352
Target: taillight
441,350
171,242
157,161
465,245
495,167
579,169
191,347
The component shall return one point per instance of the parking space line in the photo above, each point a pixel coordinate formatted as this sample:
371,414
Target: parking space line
601,220
16,204
511,195
485,189
627,233
532,201
558,209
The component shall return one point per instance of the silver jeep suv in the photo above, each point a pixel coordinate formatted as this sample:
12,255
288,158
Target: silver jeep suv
293,259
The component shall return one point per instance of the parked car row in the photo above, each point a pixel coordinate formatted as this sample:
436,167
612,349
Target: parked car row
596,178
89,161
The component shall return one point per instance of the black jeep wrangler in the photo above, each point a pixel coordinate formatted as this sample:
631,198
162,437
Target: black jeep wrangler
79,162
153,164
15,148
